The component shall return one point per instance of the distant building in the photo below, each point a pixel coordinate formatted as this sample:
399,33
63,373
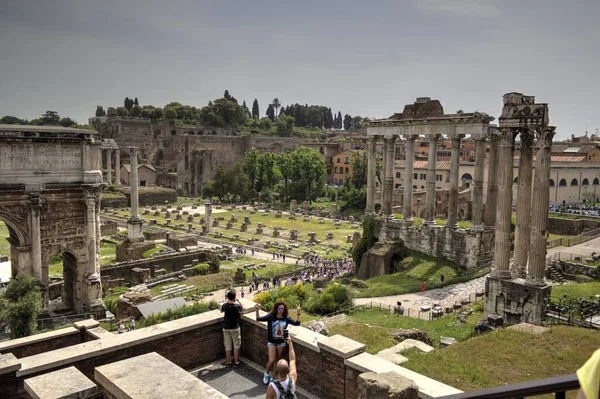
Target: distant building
146,175
343,168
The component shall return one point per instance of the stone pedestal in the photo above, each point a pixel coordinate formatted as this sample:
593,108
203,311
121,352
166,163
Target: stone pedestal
68,383
515,301
134,230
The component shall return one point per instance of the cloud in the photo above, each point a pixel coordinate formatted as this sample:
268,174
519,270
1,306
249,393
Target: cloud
461,8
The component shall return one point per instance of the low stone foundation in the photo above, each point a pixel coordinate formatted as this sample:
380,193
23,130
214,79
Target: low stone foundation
133,251
516,302
471,249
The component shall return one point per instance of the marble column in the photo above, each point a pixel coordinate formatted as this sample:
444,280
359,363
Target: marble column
477,216
492,188
539,213
36,236
91,232
118,167
383,186
208,216
522,231
389,177
371,176
109,166
134,224
453,192
504,209
408,177
430,202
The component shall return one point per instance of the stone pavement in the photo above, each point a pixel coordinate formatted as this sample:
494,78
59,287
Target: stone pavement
445,296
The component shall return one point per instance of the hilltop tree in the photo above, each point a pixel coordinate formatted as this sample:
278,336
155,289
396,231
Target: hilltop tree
327,118
136,111
224,113
271,113
13,120
135,102
128,103
276,104
122,111
157,114
170,113
111,112
50,118
339,123
226,95
67,122
347,122
255,110
248,114
100,111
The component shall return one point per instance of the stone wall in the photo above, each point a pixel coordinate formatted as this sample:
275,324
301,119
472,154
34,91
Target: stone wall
571,227
578,268
464,247
148,196
108,227
109,202
40,343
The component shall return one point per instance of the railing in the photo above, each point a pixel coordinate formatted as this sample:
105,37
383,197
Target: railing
556,385
587,236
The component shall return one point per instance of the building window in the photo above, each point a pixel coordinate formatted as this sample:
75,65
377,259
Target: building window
596,182
574,182
438,178
347,160
516,179
551,182
562,182
339,160
422,187
423,176
415,176
585,182
142,183
397,175
347,170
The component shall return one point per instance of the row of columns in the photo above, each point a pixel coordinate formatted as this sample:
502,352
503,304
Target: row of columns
430,206
109,164
532,206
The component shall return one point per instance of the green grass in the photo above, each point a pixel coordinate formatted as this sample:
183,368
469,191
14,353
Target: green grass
107,256
372,327
575,290
507,357
4,244
416,268
148,254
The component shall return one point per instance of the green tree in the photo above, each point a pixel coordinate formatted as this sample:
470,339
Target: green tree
170,113
276,104
157,114
308,174
100,111
135,102
20,305
339,124
13,120
285,125
357,122
250,168
246,110
347,122
136,111
327,118
265,124
285,164
67,122
359,169
111,112
255,110
122,111
271,112
223,113
50,118
231,184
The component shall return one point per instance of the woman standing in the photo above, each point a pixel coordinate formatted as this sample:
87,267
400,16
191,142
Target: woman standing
277,322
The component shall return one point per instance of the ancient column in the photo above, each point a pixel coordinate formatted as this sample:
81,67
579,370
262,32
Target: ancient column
504,209
539,213
523,221
408,177
477,217
492,188
134,224
389,176
431,169
36,236
371,176
101,166
453,192
118,167
208,216
383,186
109,166
91,232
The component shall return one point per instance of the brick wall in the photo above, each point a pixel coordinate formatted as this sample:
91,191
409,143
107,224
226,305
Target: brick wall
25,347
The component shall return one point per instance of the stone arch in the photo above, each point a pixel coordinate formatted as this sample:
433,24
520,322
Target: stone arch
516,179
562,182
321,150
466,176
574,182
461,214
596,182
551,182
173,133
585,182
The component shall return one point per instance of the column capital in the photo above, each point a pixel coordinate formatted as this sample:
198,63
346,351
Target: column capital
410,137
494,133
507,136
527,136
433,137
544,136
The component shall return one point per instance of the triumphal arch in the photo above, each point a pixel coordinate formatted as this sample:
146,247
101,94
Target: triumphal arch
50,186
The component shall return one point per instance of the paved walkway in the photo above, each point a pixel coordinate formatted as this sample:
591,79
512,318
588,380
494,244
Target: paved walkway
584,249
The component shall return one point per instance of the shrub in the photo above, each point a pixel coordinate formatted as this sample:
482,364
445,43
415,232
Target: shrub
20,305
368,239
334,298
201,269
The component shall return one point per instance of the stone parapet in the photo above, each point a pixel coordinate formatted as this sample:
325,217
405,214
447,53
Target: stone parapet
39,343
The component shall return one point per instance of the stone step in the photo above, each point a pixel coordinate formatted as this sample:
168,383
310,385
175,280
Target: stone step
392,356
413,343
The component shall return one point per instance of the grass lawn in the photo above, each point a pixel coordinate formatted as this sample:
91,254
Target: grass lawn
270,221
372,327
208,283
107,256
507,357
272,269
417,268
575,290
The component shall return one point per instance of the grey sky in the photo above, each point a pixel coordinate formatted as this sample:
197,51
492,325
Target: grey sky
365,58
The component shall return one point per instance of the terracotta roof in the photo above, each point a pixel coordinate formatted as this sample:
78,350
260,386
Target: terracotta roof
441,165
561,157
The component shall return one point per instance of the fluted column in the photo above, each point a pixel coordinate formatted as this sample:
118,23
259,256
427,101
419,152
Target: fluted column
539,214
504,209
36,236
453,192
431,169
109,166
383,186
118,167
477,217
523,221
492,188
408,177
91,232
371,176
133,183
389,176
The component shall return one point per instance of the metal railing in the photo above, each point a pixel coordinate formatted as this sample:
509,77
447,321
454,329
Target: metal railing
558,386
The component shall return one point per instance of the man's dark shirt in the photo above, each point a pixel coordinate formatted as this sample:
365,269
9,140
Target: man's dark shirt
232,315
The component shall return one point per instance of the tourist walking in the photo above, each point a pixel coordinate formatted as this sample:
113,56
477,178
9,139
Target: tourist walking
232,337
242,292
277,322
423,287
120,327
132,324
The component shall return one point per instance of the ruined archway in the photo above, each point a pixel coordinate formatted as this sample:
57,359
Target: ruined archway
52,207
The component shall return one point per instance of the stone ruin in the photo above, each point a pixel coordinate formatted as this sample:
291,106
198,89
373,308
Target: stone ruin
292,216
294,235
276,231
353,238
247,220
243,227
305,206
293,205
278,214
259,228
312,236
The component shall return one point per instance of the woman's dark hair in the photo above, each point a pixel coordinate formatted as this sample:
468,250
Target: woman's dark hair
278,304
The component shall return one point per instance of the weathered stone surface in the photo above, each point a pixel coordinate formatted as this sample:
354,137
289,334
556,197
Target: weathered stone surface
386,386
318,326
128,303
378,260
412,334
68,383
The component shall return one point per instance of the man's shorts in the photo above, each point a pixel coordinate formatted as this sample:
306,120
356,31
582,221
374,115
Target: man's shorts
232,339
276,345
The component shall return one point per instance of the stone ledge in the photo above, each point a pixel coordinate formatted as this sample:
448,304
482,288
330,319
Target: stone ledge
428,387
90,349
68,383
86,324
9,363
342,346
13,343
100,333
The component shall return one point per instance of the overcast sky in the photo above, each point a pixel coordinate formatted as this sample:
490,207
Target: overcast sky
366,58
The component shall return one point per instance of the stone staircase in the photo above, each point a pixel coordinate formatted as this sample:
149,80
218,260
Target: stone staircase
173,290
555,274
